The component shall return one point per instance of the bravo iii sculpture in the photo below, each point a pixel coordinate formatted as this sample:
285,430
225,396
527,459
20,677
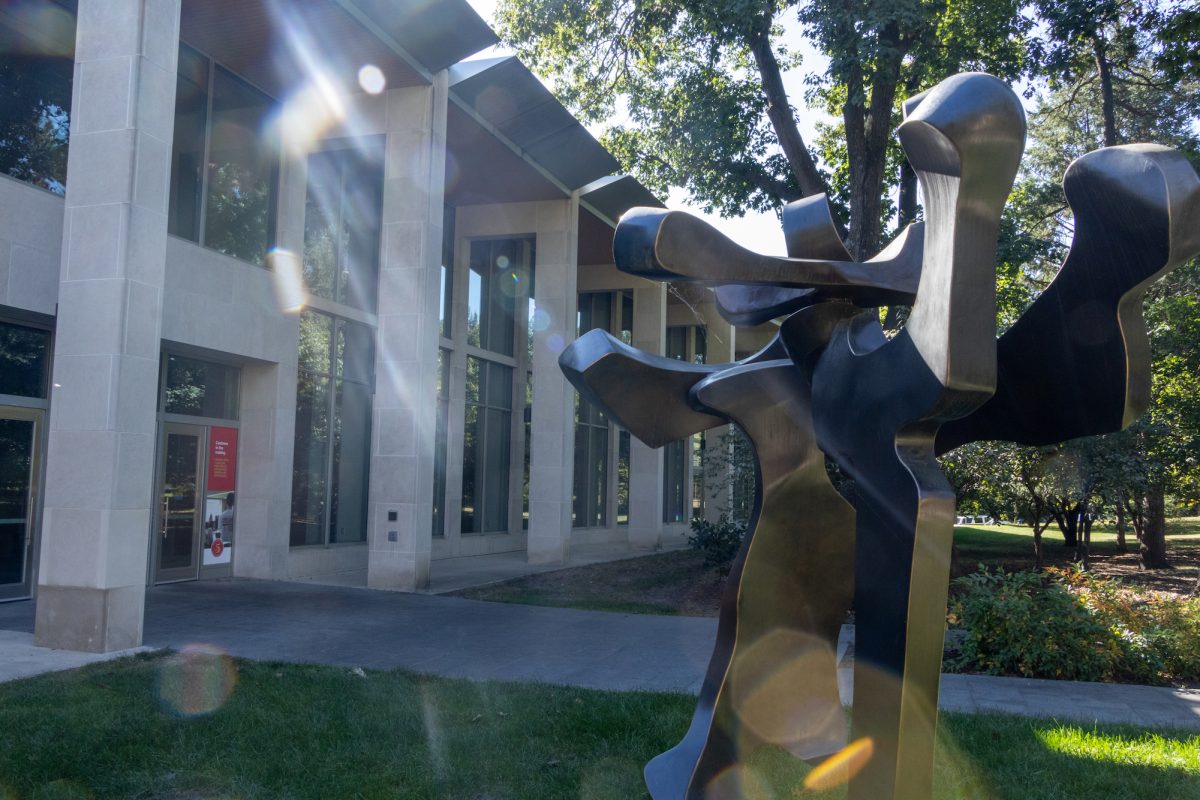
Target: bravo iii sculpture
833,385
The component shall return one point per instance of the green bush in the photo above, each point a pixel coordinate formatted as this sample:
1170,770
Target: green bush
718,541
1071,625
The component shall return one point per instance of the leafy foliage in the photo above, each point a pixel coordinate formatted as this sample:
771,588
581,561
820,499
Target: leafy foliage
1071,625
719,542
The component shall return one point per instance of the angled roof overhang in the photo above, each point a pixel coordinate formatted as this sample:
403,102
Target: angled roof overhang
274,43
511,102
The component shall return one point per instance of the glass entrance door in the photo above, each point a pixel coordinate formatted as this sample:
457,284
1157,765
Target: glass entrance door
180,508
19,433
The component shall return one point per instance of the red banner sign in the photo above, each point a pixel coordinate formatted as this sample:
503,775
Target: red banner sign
222,459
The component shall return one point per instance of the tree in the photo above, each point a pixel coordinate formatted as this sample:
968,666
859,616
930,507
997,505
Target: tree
707,109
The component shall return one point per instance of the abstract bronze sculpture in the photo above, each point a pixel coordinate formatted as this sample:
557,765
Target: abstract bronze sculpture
833,385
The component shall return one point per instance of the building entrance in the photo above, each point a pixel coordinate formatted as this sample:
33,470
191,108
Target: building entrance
194,521
193,534
20,437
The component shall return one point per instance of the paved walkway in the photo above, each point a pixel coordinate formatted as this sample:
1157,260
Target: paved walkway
494,641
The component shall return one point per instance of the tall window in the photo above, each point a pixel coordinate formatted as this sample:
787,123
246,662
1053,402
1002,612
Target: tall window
594,442
686,343
37,58
342,221
446,297
499,277
224,161
439,452
333,431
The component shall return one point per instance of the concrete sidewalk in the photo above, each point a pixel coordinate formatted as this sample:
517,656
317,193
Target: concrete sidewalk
340,626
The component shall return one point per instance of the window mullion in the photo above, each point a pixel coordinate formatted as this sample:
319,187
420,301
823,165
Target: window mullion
208,115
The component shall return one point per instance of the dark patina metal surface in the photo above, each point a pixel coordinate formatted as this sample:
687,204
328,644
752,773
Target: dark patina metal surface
832,384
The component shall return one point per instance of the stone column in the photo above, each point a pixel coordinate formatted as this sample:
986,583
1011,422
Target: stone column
552,446
645,463
400,502
100,458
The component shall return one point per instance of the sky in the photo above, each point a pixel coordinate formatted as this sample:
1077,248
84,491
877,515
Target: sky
756,231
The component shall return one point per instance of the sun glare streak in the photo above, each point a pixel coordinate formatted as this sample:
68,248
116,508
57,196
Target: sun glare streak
288,280
433,732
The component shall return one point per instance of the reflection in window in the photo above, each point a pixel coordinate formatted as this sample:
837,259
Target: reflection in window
200,388
440,444
24,360
500,270
37,58
333,425
685,343
487,434
342,222
446,298
612,312
229,204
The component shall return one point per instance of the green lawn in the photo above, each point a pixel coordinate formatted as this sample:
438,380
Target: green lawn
1014,543
119,730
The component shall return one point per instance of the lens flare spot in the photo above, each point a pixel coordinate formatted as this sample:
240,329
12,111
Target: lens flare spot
840,767
371,79
197,680
502,263
784,689
540,319
555,343
288,280
739,782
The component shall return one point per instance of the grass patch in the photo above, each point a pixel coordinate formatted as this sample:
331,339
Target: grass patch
300,732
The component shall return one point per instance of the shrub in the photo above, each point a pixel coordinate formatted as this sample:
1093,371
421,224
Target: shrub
718,541
1072,625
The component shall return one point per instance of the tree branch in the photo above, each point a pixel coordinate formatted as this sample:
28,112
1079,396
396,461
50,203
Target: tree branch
779,111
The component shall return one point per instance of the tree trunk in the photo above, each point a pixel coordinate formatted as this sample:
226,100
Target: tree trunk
1106,92
1037,547
1154,539
1066,518
1084,549
779,111
868,129
1121,545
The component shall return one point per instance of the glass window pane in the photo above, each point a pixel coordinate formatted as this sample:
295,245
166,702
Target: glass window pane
187,147
24,360
310,460
701,355
242,158
499,386
677,342
440,444
316,334
625,332
674,468
475,290
472,462
623,442
351,457
37,59
356,352
447,295
498,432
342,222
201,388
